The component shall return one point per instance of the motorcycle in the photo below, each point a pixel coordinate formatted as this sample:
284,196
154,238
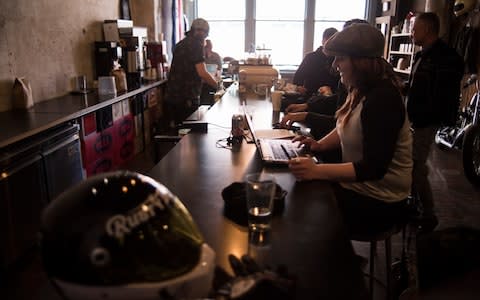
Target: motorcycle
465,135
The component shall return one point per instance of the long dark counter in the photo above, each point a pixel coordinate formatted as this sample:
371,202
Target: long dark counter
17,125
308,238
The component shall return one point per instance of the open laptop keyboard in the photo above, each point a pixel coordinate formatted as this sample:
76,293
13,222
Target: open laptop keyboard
280,152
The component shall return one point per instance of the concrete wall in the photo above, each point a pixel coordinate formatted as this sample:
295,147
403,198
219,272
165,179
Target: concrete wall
49,42
147,13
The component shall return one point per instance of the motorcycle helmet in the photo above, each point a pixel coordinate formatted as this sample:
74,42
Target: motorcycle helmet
122,235
463,6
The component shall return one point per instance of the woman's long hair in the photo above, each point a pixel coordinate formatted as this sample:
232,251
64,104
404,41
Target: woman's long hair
367,73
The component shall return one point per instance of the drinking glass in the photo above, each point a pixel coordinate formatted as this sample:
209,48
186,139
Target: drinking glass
260,194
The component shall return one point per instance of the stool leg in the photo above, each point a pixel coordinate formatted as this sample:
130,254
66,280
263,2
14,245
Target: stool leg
388,256
373,250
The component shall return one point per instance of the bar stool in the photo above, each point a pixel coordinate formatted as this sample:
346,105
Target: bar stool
374,235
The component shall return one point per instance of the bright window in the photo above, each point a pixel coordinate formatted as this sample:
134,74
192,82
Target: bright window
334,14
279,26
239,25
227,25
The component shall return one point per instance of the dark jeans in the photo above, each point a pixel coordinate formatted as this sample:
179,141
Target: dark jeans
362,213
423,139
177,112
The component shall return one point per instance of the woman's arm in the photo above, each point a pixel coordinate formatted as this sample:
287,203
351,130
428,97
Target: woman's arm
382,118
329,142
306,169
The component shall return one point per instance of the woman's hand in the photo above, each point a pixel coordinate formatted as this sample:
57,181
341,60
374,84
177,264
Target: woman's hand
307,142
303,168
290,118
296,108
301,89
325,90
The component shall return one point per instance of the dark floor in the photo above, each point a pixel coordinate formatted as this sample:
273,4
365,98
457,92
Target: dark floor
457,204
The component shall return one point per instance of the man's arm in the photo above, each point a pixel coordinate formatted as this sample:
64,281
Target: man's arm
299,77
326,105
203,73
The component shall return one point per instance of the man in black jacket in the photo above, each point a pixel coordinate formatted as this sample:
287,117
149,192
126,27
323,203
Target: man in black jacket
432,101
316,70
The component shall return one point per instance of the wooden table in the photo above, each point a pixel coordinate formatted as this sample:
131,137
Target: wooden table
309,236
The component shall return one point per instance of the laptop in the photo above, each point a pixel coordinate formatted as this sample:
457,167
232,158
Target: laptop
275,151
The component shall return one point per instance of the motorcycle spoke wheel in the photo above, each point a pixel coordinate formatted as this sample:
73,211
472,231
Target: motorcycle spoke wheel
442,134
471,154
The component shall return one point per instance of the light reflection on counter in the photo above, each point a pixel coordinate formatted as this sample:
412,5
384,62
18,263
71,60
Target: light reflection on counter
234,241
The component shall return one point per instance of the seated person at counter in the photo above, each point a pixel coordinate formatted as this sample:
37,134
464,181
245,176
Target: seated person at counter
212,57
318,113
319,110
213,62
372,131
315,70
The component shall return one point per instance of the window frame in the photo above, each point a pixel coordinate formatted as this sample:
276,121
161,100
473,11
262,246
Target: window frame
308,22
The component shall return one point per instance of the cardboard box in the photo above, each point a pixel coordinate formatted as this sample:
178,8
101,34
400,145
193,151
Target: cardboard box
97,145
126,107
113,28
88,125
117,111
152,98
147,127
104,118
101,165
124,138
124,128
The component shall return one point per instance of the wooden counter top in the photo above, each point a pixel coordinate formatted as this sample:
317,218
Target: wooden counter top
20,124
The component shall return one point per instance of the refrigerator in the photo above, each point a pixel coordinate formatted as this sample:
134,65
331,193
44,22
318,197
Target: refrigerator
34,172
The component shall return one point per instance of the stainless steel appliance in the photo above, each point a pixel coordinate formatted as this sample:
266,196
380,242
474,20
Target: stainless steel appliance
106,53
32,173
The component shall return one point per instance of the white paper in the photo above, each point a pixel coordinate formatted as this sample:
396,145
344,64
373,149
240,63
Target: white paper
274,134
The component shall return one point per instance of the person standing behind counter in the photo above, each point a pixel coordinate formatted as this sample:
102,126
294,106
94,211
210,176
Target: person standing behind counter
372,131
187,71
432,100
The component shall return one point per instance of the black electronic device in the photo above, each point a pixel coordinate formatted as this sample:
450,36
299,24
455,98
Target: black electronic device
106,53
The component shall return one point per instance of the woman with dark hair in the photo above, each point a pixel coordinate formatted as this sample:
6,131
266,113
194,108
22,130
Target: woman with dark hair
372,130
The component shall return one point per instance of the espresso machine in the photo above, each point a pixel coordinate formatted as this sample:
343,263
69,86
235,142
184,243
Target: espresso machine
106,54
134,53
258,79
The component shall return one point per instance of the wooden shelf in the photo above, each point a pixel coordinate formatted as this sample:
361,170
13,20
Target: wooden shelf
402,71
401,41
401,52
400,34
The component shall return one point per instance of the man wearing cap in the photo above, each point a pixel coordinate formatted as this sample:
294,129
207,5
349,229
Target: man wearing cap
432,100
187,72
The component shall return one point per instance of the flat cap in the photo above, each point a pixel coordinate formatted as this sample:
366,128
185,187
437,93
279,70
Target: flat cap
356,40
200,24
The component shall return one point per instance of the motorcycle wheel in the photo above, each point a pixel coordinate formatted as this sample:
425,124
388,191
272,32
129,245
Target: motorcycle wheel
471,154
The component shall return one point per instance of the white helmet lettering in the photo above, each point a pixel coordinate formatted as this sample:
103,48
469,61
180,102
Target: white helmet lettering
120,225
